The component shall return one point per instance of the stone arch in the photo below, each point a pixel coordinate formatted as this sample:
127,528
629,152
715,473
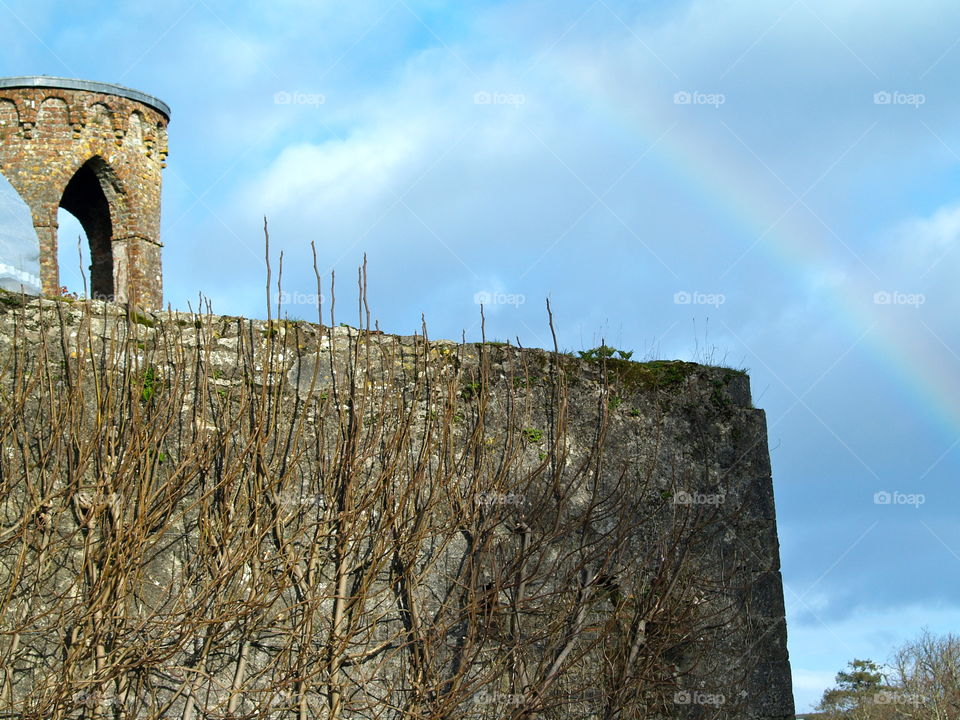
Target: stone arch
92,171
53,117
9,118
100,119
94,196
135,127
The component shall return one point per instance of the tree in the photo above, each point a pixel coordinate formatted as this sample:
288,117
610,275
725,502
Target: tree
859,694
923,684
927,673
203,517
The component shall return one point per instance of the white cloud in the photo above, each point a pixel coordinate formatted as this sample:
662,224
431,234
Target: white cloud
924,243
353,173
515,180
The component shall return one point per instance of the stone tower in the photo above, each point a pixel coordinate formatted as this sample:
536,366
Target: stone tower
97,151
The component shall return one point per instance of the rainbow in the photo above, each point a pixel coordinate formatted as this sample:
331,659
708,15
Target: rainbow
922,366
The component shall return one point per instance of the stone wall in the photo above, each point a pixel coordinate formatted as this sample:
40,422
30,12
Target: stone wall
207,516
99,155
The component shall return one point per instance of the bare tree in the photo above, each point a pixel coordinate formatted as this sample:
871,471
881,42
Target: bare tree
926,675
206,517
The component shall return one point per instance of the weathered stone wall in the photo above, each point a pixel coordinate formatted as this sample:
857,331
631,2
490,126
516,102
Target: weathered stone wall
538,440
100,156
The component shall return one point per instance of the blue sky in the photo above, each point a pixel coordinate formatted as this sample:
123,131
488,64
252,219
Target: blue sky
790,167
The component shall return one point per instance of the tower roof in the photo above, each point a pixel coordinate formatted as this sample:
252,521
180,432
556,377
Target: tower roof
44,81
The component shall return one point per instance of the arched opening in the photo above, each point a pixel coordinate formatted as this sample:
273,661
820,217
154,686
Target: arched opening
84,198
73,254
19,244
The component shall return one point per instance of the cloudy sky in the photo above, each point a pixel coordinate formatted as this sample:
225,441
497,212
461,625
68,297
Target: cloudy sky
770,184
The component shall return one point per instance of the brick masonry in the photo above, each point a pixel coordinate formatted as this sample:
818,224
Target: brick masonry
99,155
